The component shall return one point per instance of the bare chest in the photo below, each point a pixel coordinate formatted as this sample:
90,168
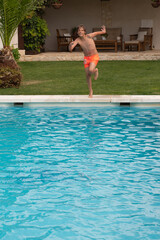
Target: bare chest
87,43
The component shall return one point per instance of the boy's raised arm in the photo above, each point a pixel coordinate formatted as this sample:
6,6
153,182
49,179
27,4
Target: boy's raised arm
103,31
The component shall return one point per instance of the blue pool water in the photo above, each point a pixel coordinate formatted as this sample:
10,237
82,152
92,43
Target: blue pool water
79,173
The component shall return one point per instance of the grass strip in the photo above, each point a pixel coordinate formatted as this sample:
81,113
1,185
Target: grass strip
68,78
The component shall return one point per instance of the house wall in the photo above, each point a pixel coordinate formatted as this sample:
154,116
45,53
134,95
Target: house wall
93,13
71,14
129,15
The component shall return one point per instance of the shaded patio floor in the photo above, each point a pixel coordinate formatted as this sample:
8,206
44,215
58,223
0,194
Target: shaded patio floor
78,56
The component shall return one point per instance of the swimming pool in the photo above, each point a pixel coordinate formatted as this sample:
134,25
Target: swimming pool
79,173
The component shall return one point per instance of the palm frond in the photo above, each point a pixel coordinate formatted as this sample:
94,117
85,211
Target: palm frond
12,12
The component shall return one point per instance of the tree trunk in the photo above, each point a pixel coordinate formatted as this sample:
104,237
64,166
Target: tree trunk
7,58
10,74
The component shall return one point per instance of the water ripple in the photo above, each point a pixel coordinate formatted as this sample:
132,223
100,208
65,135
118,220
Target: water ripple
73,173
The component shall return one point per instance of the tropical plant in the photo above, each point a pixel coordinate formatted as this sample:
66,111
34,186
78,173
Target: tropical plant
12,12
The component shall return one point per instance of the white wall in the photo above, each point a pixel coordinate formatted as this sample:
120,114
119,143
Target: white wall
127,14
1,44
14,41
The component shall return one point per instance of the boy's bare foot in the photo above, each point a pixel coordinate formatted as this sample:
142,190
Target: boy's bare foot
91,94
96,74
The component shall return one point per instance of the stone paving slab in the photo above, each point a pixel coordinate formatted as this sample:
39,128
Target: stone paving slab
78,56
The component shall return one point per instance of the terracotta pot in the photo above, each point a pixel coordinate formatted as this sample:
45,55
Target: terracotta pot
57,5
155,4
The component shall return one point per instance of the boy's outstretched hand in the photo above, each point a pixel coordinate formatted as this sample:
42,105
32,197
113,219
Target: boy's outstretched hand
103,29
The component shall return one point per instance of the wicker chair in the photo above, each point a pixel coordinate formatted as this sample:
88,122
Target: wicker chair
63,38
142,40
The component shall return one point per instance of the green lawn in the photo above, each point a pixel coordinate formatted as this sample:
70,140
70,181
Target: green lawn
115,77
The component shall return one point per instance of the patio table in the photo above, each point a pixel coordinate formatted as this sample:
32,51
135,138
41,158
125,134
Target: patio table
107,44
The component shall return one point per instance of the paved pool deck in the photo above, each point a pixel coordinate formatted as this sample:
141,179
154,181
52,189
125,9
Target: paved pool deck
104,56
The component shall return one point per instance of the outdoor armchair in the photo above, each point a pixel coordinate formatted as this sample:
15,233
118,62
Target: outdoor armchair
142,40
63,38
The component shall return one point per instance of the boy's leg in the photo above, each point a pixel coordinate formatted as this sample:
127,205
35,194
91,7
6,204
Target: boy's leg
89,82
93,70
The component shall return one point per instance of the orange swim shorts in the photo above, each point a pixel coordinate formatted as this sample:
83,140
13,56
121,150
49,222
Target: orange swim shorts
89,59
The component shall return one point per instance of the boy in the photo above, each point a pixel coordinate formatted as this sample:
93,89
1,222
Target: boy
91,57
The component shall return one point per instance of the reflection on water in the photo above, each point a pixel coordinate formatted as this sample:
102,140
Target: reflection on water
79,173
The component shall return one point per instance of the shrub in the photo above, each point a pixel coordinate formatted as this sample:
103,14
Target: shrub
34,33
16,54
9,77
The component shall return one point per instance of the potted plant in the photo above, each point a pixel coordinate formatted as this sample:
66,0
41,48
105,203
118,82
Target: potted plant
74,32
57,3
155,3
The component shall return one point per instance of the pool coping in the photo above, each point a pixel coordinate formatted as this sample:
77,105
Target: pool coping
79,99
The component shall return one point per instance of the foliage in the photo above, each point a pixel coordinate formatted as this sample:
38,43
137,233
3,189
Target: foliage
9,77
34,33
49,3
42,4
57,1
74,32
16,54
40,7
12,12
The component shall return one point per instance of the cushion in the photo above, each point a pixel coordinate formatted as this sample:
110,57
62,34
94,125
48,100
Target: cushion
146,29
141,36
68,36
118,38
113,33
132,42
62,31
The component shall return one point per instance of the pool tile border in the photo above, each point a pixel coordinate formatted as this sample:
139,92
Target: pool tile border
80,99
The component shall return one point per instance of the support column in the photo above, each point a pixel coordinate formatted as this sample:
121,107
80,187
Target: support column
106,13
